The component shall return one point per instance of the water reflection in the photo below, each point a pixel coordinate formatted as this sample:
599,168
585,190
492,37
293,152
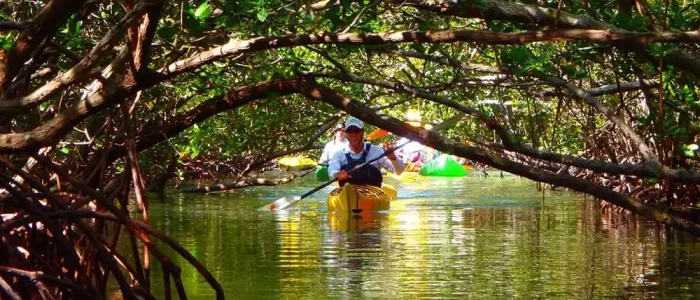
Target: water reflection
353,251
442,238
365,221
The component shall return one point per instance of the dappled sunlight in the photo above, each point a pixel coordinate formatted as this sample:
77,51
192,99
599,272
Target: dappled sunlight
463,237
219,108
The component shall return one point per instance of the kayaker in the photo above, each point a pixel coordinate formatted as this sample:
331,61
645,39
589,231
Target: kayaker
338,143
413,154
356,153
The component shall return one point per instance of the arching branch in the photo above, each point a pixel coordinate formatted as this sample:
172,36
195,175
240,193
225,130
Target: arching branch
316,92
43,26
645,151
235,47
80,71
543,16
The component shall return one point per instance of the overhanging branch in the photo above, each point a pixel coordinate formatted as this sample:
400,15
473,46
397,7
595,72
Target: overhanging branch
235,47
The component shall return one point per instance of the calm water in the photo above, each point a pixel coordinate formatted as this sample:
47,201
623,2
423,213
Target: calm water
462,238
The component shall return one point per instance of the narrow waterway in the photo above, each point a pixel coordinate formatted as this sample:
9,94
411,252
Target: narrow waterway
466,238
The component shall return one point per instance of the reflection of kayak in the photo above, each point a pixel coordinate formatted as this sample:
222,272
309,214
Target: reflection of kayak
364,221
365,197
406,176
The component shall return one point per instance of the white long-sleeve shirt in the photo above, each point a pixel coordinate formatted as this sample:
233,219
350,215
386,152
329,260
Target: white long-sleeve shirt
331,148
407,151
340,160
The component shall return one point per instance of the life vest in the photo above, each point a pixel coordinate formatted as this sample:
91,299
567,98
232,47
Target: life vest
366,175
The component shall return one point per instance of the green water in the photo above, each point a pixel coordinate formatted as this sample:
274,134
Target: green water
465,238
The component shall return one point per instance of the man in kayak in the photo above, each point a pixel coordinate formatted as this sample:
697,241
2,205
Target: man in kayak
338,143
413,154
356,153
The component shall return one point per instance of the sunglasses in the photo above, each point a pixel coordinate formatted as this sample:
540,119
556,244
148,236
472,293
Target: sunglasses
353,130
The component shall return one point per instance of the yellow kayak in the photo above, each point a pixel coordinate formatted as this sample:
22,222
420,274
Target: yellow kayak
368,198
296,163
406,176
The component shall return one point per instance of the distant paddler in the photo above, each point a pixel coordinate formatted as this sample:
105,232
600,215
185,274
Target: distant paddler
413,155
338,143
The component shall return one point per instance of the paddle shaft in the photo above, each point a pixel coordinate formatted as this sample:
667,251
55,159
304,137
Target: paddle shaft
352,170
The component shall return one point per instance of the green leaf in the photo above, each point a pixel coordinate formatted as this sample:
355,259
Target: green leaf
167,33
262,15
203,11
74,27
65,150
433,48
345,4
6,41
688,94
481,3
418,48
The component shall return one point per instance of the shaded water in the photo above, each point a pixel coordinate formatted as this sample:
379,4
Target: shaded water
443,238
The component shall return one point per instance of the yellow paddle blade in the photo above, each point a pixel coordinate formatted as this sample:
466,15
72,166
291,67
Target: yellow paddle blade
377,134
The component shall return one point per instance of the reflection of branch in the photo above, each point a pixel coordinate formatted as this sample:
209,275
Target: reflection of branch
241,183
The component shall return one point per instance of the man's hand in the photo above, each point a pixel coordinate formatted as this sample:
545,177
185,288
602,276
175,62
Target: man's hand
342,175
390,155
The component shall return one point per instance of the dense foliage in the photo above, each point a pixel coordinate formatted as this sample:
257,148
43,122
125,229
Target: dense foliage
97,98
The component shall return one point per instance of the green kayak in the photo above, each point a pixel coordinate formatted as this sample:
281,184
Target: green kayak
322,174
444,165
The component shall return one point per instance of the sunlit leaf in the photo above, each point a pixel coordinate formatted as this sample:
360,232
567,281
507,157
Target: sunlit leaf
167,33
262,15
203,11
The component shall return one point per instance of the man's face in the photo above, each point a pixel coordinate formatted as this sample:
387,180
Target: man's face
354,134
340,133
